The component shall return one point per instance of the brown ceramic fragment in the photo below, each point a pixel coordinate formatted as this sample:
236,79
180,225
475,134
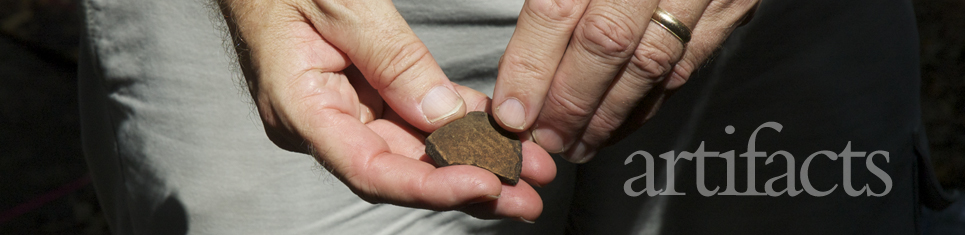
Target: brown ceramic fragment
479,141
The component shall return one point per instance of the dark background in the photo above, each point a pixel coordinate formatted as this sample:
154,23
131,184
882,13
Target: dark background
44,186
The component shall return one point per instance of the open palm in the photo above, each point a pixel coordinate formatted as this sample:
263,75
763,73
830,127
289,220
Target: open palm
352,85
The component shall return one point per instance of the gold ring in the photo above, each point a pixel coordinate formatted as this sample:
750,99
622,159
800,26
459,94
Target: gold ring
671,24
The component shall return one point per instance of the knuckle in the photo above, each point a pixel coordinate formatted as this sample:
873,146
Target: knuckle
611,118
364,188
651,61
370,197
730,9
527,65
743,5
278,132
607,37
570,104
603,123
284,141
680,74
402,58
555,10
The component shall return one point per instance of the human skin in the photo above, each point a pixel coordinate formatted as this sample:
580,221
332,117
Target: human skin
582,74
349,83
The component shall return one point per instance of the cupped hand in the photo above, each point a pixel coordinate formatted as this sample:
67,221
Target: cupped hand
581,74
351,84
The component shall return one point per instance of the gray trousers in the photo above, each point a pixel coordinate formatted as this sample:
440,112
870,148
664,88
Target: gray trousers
175,146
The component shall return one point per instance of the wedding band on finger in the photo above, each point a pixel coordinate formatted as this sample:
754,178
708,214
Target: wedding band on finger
672,25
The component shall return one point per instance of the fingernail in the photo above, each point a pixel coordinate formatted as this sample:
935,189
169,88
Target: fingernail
580,154
512,114
440,103
486,198
548,139
520,219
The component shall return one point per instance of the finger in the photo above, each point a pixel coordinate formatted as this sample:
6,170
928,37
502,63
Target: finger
602,43
717,22
520,201
475,100
645,76
645,110
279,60
378,175
319,107
370,103
542,32
538,166
301,89
652,59
401,139
393,60
749,15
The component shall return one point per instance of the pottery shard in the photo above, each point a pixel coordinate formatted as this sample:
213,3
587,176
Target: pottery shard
479,141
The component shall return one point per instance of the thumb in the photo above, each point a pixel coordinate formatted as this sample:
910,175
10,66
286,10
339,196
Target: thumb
393,60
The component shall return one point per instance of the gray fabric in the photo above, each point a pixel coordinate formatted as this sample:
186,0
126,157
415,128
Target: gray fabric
175,146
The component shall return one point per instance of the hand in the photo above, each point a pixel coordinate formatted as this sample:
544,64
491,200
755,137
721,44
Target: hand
585,73
351,84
